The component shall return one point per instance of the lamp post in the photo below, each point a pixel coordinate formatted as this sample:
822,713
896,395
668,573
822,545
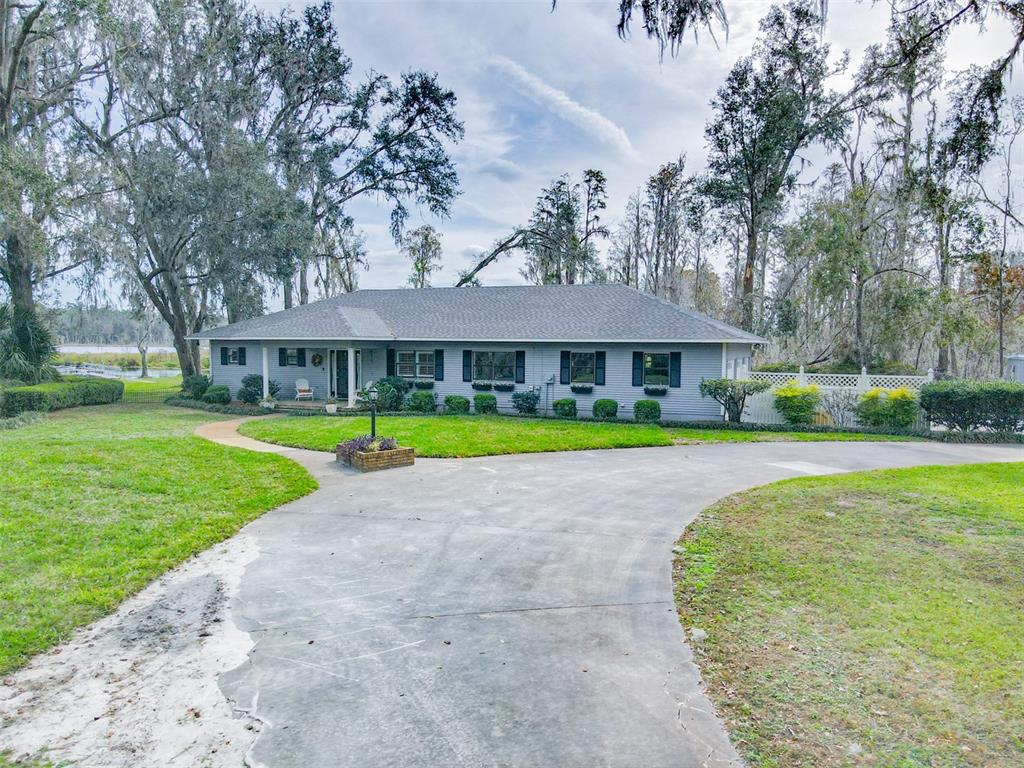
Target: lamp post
373,393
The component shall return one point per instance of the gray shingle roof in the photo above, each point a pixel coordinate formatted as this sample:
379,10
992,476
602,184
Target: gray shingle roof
505,313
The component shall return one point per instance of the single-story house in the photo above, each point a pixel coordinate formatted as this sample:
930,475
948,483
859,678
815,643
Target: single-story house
611,337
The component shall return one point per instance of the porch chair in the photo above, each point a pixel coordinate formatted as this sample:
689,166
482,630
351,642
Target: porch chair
303,390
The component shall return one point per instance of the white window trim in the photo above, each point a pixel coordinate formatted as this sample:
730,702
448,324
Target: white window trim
418,366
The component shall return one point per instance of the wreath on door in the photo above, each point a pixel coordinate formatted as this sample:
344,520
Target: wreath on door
317,360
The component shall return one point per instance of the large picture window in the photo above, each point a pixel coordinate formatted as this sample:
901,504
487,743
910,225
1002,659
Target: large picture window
415,365
582,367
494,366
656,370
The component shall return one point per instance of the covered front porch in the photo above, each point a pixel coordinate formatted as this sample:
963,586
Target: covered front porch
311,375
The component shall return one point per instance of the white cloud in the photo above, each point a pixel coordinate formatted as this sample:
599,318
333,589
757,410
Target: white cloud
562,104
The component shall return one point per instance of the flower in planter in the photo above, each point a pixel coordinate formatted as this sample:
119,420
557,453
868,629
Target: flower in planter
656,391
364,444
483,386
582,389
423,384
504,386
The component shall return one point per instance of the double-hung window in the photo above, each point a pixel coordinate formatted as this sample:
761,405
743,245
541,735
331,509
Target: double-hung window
656,370
415,365
291,357
494,366
582,366
232,355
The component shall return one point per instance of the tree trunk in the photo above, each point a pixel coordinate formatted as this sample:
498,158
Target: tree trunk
288,292
862,354
304,283
748,281
19,270
144,354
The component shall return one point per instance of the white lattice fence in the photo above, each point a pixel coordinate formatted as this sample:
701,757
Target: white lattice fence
840,391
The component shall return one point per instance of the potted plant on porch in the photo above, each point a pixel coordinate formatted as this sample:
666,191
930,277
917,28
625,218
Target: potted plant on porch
331,406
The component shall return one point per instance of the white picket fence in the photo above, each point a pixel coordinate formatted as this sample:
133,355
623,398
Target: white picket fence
840,392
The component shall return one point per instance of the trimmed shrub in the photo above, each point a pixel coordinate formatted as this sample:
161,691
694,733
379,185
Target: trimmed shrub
732,394
199,405
606,408
797,404
55,395
422,401
647,410
880,407
484,403
391,392
456,404
973,405
525,402
218,394
195,386
251,391
565,407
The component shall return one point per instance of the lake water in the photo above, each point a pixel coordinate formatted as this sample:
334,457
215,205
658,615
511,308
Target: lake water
111,349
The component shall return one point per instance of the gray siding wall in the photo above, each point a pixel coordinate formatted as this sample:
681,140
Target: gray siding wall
699,361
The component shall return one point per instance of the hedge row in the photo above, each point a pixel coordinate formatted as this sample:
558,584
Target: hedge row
235,410
972,405
55,395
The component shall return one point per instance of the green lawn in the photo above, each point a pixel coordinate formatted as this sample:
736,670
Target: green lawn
458,436
462,436
97,501
865,619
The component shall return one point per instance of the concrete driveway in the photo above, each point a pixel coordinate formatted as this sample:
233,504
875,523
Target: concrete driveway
505,611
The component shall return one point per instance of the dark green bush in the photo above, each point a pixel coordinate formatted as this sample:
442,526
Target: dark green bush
484,403
391,392
973,405
606,408
565,407
456,404
237,410
251,391
646,410
218,394
525,402
195,386
422,401
55,395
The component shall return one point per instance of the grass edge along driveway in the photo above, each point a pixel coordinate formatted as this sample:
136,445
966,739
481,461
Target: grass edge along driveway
465,436
871,618
96,502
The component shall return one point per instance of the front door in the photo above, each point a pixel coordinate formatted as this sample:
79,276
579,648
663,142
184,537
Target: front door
341,372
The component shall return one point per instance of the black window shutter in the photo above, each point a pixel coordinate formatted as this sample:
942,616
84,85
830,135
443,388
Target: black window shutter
467,365
674,365
241,355
391,362
564,368
282,357
223,355
300,357
438,365
599,368
520,366
638,369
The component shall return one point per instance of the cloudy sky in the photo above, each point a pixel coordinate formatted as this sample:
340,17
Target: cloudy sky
545,93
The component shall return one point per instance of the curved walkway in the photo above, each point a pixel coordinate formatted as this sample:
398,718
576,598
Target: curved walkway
512,610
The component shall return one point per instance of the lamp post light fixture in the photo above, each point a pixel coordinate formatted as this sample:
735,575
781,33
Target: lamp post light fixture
374,394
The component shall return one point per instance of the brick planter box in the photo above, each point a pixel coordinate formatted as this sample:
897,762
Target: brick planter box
371,461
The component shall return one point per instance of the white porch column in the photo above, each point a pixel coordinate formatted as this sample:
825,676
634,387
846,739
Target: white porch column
266,372
351,377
